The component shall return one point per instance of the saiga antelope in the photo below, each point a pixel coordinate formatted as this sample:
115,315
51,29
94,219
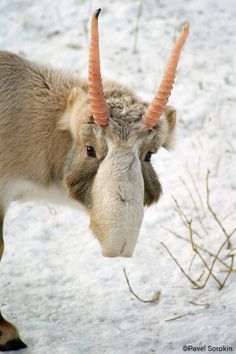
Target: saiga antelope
85,142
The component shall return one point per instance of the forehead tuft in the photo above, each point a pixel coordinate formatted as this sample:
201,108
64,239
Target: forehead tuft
124,106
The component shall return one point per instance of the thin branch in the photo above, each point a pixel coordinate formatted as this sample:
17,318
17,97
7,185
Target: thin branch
213,263
209,269
197,191
196,304
137,26
228,215
192,260
194,248
213,213
155,299
201,275
228,274
194,204
179,266
183,217
232,232
198,246
180,316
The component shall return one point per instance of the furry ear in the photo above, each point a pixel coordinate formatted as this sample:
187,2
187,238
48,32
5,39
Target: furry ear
170,114
76,106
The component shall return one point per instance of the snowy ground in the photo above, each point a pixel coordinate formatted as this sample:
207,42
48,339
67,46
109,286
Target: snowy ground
66,298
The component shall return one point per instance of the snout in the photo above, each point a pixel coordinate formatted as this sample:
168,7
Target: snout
117,205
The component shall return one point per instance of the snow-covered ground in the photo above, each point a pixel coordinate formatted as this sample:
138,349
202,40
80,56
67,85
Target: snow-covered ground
55,286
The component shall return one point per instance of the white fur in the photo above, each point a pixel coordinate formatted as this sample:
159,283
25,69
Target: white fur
23,191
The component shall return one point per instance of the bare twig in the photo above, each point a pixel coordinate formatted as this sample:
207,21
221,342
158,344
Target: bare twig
155,298
187,222
228,274
137,27
232,232
213,213
183,217
213,263
210,269
192,260
180,316
196,304
197,191
198,246
195,249
180,267
201,275
194,204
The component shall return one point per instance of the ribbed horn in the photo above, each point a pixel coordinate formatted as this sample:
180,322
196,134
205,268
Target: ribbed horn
157,106
97,100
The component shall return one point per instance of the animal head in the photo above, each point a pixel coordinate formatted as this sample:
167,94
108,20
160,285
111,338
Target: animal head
115,134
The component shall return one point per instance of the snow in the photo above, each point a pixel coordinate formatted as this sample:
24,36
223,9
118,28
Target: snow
55,286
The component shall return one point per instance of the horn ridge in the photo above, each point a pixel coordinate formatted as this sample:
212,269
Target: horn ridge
157,106
96,96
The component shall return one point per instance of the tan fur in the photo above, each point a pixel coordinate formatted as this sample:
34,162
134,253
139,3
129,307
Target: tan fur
1,235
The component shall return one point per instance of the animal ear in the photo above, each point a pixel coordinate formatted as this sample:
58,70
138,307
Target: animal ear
170,114
75,103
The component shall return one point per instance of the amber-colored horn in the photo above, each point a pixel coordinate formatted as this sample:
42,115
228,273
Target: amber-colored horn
157,106
97,100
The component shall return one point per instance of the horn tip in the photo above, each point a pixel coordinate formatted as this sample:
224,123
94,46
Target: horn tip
186,26
97,12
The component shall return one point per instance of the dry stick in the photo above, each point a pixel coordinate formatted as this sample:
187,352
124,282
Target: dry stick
192,260
201,275
214,214
198,246
183,217
194,204
196,304
232,232
228,274
180,316
180,267
194,247
213,263
156,298
197,191
137,27
210,269
228,215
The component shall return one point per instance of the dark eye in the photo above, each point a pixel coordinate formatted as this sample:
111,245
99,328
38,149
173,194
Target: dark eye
90,151
148,156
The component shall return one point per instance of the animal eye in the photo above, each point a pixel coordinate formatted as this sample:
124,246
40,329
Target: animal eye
90,151
148,156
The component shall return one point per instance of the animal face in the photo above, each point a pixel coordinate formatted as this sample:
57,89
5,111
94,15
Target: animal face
115,134
109,169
